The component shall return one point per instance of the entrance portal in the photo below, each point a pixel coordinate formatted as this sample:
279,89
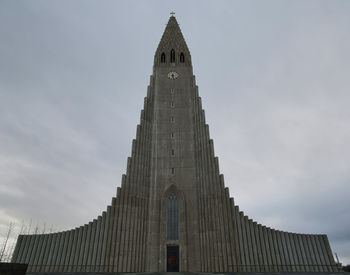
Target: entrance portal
172,258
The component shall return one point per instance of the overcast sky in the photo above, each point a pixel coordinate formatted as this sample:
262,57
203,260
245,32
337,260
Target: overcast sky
274,77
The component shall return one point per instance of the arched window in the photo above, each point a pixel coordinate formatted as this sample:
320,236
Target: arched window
172,56
173,218
162,58
182,58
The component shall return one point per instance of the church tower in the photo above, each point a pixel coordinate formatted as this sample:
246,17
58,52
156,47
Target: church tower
173,178
172,211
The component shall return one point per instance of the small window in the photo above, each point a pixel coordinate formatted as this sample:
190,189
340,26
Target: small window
172,104
182,58
172,152
162,58
172,56
172,119
172,135
172,90
173,171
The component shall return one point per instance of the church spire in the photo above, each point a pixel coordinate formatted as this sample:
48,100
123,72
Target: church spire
172,47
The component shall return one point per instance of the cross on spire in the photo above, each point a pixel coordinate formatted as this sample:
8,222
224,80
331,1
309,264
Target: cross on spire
172,13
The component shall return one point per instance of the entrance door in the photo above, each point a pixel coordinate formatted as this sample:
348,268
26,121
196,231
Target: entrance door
173,258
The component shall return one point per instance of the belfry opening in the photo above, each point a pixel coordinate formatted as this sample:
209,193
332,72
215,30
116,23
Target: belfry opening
172,211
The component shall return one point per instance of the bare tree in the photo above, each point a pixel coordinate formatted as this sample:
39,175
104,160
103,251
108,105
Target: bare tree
12,233
3,249
36,229
23,228
11,250
30,226
44,228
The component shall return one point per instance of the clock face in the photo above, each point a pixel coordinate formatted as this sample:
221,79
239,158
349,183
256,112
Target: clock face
172,75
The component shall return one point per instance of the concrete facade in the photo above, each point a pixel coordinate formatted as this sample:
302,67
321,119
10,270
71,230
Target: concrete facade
173,157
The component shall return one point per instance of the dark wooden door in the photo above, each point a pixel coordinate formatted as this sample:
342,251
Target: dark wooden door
173,258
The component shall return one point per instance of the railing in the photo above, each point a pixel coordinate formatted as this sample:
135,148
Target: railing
232,268
287,268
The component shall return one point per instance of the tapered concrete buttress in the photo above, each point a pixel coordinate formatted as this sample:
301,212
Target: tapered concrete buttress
38,253
46,254
289,243
79,236
254,246
72,248
16,252
91,251
60,252
99,242
28,249
95,249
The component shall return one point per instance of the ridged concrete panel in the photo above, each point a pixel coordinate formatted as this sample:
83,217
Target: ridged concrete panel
79,237
24,244
291,250
92,249
302,255
50,260
323,254
74,249
47,252
61,252
309,254
85,262
99,241
276,249
254,246
97,238
316,253
263,249
55,255
80,261
29,248
21,243
15,255
280,250
284,236
32,253
104,259
38,252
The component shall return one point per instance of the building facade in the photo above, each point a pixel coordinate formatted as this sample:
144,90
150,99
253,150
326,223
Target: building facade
172,211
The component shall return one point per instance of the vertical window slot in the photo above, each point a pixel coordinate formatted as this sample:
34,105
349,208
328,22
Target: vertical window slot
182,58
172,56
162,58
173,218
